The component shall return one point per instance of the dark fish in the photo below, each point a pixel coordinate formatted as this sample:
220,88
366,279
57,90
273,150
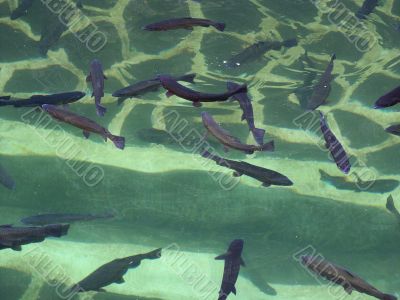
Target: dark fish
367,8
183,23
14,237
266,176
375,186
51,33
340,276
39,100
322,89
390,207
230,141
257,50
96,77
22,9
6,179
45,219
146,86
84,123
305,92
394,129
175,88
335,148
113,272
233,261
389,99
248,115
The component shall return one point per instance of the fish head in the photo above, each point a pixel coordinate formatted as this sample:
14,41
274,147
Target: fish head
307,260
47,107
78,95
236,246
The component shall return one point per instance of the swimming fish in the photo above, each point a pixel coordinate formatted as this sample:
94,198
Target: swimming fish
45,219
145,86
335,148
175,88
394,129
390,207
22,9
96,77
113,272
305,91
248,115
39,100
84,123
340,276
233,261
183,23
374,186
6,179
14,237
230,141
257,50
367,8
389,99
266,176
322,89
50,35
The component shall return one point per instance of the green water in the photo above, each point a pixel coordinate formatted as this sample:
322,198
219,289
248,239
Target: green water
165,196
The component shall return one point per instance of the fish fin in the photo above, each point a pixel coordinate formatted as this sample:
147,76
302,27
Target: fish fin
119,141
223,256
265,184
390,204
89,78
348,289
86,134
270,146
120,281
234,290
16,248
237,174
169,94
219,26
188,78
101,110
243,117
104,76
197,104
242,263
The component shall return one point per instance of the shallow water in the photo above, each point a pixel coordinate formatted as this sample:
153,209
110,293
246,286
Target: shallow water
163,194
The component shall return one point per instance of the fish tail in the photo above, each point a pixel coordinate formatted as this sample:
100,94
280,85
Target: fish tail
333,57
188,78
101,110
388,297
219,26
153,254
270,146
119,141
390,205
232,86
258,134
57,230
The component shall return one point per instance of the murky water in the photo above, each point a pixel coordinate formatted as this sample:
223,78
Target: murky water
161,191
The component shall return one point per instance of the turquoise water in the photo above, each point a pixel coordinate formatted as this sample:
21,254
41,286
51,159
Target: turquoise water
164,195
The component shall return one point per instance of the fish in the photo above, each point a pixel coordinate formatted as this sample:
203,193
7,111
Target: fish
22,9
367,8
248,114
390,99
335,148
304,92
391,208
266,176
50,35
340,276
14,237
233,260
175,88
394,129
84,123
112,272
145,86
257,50
46,219
230,141
96,77
322,89
374,186
39,100
6,179
183,23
